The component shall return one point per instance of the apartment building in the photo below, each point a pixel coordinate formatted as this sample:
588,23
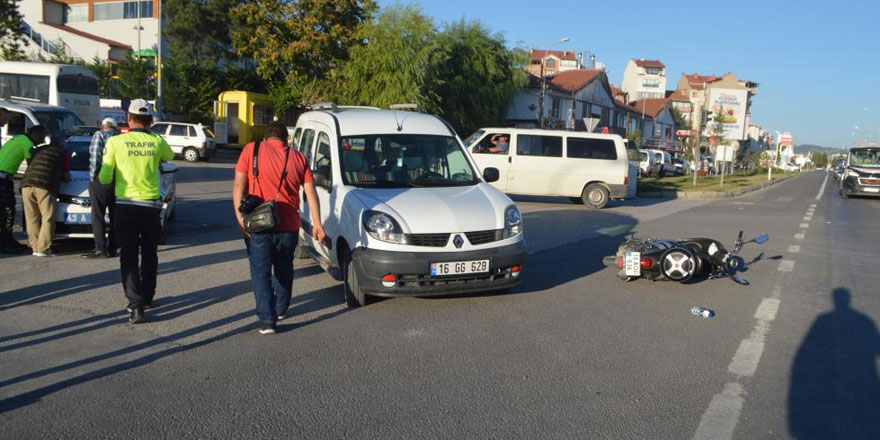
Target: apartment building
644,79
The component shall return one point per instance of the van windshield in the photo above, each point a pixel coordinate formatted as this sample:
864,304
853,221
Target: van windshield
865,157
61,123
405,160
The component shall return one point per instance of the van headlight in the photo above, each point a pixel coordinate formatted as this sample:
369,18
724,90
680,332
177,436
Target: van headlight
512,221
851,173
383,227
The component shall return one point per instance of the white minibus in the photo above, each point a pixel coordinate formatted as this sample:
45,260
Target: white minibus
591,168
72,87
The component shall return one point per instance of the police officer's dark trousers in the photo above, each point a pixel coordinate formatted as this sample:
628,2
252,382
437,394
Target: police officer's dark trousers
137,230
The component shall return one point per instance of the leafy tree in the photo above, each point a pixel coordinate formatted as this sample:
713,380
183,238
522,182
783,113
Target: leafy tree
200,29
635,136
298,44
135,78
820,159
398,64
479,75
11,31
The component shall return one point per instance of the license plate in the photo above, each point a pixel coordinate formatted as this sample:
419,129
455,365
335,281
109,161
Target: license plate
77,219
632,264
459,268
872,190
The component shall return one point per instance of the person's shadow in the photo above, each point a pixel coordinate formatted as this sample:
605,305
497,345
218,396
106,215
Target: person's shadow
835,390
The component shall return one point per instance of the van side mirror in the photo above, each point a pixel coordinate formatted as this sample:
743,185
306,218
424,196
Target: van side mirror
491,174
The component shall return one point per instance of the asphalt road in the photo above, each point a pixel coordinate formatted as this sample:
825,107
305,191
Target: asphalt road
571,353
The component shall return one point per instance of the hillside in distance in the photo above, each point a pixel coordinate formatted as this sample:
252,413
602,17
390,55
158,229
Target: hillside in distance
806,148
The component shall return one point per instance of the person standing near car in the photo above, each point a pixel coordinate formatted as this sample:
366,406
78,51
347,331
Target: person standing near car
39,194
13,152
131,163
281,171
101,196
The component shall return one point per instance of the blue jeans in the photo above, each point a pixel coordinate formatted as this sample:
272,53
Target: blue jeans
271,259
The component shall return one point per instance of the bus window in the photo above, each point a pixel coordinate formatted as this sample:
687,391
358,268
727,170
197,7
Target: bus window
25,86
78,84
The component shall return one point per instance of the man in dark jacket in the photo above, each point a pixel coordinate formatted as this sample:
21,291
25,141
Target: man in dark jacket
13,152
46,169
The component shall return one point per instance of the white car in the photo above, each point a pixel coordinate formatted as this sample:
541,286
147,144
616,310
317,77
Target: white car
73,217
664,162
192,141
648,165
405,210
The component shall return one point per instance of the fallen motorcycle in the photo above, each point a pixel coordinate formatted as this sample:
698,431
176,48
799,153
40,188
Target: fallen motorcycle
679,260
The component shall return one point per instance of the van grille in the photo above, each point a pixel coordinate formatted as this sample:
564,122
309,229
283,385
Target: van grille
429,240
870,181
483,237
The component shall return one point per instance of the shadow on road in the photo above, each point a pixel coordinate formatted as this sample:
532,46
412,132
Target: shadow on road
835,390
167,309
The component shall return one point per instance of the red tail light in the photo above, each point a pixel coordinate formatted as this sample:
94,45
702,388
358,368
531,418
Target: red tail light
619,263
646,263
626,180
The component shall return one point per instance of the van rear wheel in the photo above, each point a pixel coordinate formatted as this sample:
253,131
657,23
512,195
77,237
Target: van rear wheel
595,196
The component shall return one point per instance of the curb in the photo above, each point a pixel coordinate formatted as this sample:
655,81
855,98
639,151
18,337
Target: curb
711,195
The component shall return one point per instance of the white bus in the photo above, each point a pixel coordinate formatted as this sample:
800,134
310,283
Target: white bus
72,87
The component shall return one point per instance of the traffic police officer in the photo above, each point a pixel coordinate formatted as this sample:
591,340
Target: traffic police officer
133,160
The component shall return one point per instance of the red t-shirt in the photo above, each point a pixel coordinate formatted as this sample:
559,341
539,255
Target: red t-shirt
270,163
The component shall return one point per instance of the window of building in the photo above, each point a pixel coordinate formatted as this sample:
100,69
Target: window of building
652,70
583,148
123,10
554,108
531,145
77,13
585,109
606,116
648,82
263,115
550,62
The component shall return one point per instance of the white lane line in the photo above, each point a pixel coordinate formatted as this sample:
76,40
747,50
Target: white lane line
822,188
799,236
804,225
808,218
812,205
720,419
786,265
794,249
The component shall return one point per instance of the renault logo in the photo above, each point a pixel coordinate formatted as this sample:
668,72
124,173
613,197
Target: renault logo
458,241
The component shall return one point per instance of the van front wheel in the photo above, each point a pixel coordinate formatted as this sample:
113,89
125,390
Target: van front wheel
354,296
595,196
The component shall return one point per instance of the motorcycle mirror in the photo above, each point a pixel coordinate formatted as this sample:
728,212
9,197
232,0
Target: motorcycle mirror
761,239
739,280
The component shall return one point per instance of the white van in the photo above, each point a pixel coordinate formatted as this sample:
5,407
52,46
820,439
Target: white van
664,160
587,167
404,207
24,114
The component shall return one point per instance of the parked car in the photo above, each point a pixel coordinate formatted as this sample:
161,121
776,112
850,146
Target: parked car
73,216
862,174
679,165
664,162
648,166
192,141
404,207
24,114
588,168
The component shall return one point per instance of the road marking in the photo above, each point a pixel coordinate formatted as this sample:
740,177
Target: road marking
808,218
784,199
786,265
794,249
799,236
822,188
720,419
804,225
812,205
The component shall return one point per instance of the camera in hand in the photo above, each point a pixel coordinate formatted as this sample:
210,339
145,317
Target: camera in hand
249,203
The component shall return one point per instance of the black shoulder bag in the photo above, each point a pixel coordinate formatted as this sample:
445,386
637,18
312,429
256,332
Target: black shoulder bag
261,216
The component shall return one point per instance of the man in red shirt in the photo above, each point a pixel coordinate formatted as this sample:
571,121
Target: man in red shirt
273,249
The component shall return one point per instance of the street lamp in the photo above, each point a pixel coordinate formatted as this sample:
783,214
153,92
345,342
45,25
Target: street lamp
544,84
775,159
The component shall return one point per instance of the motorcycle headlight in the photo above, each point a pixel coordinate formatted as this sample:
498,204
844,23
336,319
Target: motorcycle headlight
383,227
851,173
512,221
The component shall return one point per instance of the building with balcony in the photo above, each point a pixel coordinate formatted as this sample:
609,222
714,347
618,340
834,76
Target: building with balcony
548,63
105,29
644,79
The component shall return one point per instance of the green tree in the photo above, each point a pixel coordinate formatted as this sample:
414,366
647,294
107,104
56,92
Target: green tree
199,30
298,45
11,31
398,64
820,159
635,136
479,75
135,78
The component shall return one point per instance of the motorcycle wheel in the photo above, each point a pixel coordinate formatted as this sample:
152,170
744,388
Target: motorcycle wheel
678,264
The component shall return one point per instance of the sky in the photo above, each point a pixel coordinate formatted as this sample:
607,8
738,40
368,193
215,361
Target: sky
817,62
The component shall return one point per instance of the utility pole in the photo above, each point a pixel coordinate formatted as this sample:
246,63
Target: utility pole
159,65
696,147
544,83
